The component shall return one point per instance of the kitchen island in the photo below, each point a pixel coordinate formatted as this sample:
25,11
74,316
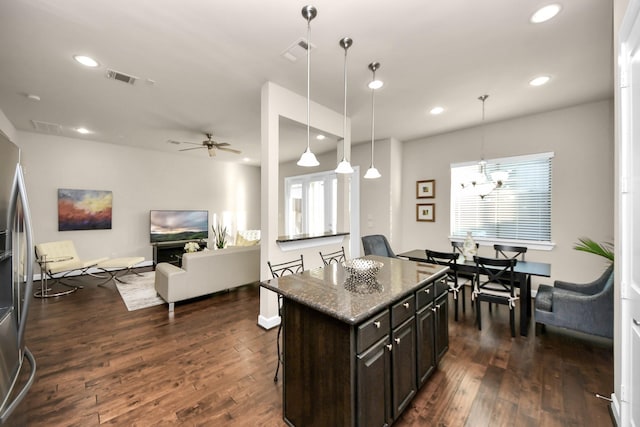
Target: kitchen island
356,355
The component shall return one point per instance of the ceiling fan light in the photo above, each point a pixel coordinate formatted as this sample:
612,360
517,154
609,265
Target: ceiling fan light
308,159
372,173
344,167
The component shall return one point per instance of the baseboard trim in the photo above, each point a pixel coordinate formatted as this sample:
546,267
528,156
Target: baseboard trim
268,322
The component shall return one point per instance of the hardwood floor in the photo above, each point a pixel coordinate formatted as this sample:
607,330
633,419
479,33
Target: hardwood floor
212,365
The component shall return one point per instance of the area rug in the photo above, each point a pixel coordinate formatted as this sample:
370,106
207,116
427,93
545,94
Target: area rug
139,291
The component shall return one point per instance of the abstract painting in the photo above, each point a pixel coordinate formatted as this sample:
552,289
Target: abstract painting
84,209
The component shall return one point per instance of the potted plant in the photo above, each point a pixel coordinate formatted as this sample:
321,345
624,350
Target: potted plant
220,236
602,249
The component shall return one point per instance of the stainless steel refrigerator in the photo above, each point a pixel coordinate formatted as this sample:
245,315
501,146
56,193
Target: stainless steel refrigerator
16,280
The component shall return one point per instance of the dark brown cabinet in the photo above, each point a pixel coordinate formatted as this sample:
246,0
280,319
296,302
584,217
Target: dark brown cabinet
403,366
441,326
374,386
363,373
432,327
426,359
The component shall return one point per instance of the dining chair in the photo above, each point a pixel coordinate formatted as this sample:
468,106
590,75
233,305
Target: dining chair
377,244
336,257
450,259
506,251
468,278
517,252
498,286
278,270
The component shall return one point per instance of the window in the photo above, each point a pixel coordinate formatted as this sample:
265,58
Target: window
311,203
517,212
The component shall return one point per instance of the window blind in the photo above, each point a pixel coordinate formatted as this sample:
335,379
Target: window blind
519,210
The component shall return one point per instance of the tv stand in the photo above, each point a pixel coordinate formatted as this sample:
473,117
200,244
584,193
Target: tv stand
171,252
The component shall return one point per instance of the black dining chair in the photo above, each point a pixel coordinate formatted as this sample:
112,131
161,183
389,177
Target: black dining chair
377,244
336,257
450,259
506,251
278,270
516,252
497,286
463,276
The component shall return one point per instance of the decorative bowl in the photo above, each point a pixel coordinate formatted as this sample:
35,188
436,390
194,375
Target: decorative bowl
362,270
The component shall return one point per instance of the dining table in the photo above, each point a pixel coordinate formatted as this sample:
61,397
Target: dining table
523,271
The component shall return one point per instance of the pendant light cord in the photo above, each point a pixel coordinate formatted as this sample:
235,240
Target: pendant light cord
373,117
344,123
308,78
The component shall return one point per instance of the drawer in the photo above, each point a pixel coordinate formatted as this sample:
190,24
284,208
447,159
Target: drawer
402,310
441,286
372,330
425,295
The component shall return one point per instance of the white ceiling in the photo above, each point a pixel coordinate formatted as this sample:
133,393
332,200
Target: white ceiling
201,65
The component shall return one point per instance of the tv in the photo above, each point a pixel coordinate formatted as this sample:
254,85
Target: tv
170,226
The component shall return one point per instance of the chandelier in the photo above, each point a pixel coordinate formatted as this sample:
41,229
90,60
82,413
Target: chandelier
481,183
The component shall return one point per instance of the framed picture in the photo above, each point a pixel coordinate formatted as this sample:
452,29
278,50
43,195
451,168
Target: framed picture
426,212
84,209
426,189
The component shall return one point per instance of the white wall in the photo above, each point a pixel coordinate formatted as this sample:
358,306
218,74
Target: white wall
583,180
140,180
380,198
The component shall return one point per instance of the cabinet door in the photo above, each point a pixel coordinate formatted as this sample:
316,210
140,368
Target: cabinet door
374,385
426,362
442,326
403,365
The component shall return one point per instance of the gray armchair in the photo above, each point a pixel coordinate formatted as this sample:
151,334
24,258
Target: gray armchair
585,307
377,244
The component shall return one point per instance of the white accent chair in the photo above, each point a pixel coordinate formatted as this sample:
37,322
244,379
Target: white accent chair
60,259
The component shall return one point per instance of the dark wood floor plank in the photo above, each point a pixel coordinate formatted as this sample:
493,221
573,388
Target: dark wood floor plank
210,364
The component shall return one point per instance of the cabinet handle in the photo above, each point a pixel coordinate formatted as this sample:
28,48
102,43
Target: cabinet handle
389,347
434,309
377,324
636,322
438,306
427,290
406,305
397,340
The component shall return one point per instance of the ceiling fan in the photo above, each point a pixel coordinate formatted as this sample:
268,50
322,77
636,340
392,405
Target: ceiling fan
212,146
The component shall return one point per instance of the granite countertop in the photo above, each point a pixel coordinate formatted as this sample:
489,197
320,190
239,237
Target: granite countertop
324,288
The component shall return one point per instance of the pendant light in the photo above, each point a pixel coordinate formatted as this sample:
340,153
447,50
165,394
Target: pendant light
372,172
308,159
344,166
481,183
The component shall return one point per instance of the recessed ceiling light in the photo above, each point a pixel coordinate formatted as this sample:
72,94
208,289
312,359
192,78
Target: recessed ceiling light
86,61
545,13
320,137
436,110
539,81
246,159
83,131
33,97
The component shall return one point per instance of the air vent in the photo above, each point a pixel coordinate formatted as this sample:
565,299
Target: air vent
297,50
52,128
121,77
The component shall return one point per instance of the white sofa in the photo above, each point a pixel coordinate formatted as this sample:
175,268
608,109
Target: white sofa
207,272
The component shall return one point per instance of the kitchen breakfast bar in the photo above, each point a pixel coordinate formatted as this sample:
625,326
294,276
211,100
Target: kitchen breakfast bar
355,352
